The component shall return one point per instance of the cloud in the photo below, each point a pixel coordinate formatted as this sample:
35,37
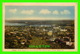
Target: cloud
12,10
55,12
39,18
29,12
65,12
45,11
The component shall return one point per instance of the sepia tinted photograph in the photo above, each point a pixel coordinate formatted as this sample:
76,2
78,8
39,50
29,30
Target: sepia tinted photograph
39,26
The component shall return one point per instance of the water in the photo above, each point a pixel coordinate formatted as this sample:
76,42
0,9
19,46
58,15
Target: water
23,24
15,24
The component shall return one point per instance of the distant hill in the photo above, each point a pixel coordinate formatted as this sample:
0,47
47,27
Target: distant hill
40,22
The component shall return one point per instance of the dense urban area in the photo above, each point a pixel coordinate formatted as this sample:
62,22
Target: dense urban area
41,35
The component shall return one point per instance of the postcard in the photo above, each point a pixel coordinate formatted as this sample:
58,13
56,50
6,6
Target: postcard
39,26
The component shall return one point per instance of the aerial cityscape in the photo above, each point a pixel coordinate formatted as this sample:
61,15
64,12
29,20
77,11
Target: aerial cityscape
39,27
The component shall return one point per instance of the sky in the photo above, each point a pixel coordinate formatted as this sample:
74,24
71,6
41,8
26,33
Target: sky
39,12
